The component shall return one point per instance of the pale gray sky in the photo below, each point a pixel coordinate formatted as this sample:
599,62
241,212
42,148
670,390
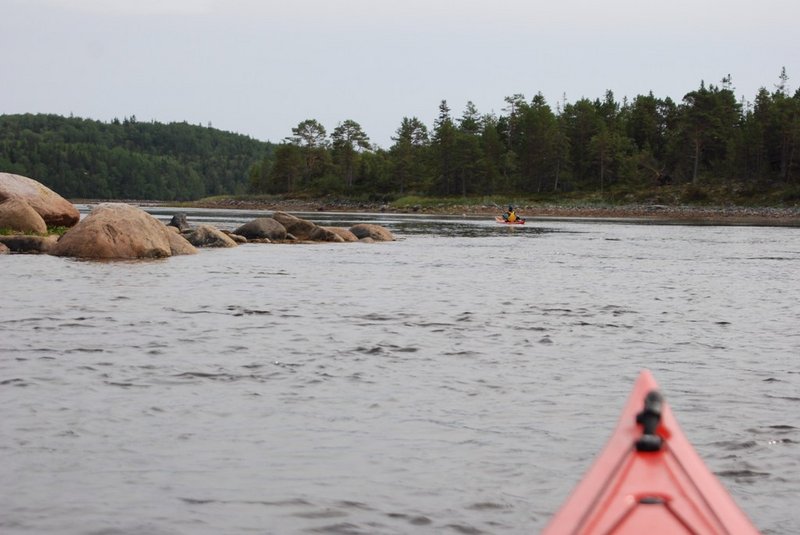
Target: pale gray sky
259,67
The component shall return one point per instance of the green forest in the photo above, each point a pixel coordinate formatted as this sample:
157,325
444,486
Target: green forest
128,159
610,149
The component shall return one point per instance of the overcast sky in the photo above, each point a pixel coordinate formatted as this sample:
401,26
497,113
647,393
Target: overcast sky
259,67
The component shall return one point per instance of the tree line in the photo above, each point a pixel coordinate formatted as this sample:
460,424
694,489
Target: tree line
127,159
531,148
594,146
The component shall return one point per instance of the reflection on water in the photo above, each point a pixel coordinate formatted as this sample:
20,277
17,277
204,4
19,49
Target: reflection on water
458,380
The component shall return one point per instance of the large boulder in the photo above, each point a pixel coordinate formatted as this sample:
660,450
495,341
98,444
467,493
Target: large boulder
208,236
4,249
16,214
54,209
263,227
114,231
375,232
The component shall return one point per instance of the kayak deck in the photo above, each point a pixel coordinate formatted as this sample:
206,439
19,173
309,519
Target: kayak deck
649,479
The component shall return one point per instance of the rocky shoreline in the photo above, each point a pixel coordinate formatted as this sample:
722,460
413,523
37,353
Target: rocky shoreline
728,215
30,213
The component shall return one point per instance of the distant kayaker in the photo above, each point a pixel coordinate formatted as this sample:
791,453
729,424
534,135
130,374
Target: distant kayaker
511,215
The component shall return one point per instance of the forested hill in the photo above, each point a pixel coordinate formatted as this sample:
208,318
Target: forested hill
128,159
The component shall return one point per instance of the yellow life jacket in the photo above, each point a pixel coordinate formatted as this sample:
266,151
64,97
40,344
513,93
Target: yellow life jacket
512,216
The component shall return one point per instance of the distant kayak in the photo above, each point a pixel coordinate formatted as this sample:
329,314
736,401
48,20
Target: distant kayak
503,221
649,480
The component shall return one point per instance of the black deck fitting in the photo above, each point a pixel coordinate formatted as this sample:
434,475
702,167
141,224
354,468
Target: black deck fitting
649,418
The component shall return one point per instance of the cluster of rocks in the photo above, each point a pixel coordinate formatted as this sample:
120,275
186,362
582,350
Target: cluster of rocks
117,231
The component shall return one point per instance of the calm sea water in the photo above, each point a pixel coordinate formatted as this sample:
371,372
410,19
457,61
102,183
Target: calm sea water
459,380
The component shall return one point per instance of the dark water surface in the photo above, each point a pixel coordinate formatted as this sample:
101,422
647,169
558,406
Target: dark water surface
459,380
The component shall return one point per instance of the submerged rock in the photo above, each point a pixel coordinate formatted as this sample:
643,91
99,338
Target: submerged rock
180,222
368,230
235,237
301,229
343,233
22,243
324,234
179,245
208,236
284,218
263,227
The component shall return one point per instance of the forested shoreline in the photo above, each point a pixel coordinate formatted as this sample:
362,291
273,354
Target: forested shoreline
610,149
127,159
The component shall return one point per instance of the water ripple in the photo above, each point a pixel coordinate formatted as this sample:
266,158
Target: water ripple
411,387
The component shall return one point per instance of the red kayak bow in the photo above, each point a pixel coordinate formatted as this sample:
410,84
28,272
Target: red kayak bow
649,480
